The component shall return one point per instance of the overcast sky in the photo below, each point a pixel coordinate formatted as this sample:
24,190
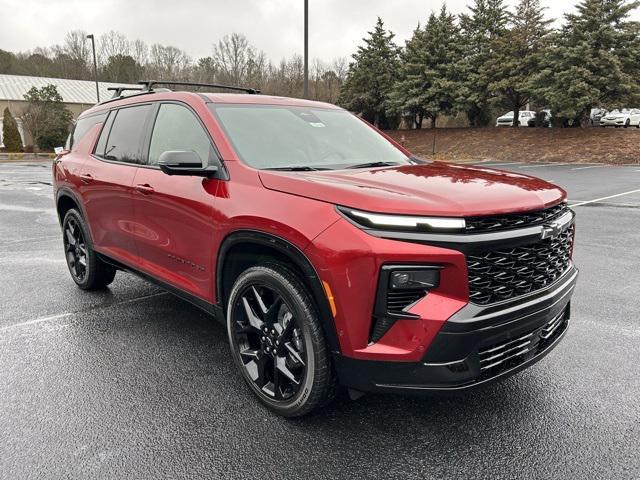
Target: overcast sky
275,26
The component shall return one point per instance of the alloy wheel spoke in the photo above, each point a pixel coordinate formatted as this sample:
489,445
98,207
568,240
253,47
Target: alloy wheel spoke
261,304
71,239
254,321
281,366
271,315
294,353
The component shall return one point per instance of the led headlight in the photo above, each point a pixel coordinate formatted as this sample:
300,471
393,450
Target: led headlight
406,222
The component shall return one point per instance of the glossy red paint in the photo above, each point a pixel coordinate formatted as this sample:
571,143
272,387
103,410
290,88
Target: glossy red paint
172,227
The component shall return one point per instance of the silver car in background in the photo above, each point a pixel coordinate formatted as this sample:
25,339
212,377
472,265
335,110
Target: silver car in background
622,118
506,120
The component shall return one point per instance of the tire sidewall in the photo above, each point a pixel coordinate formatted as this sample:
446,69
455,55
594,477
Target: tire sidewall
295,298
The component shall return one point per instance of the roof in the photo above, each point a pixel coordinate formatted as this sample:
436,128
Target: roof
244,98
14,87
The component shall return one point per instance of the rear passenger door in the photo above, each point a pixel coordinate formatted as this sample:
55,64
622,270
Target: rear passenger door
174,213
106,180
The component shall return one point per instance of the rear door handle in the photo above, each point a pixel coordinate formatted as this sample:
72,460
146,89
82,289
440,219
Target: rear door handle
145,189
86,178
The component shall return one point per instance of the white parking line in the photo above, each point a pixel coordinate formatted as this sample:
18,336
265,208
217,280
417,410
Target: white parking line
604,198
546,165
496,164
68,314
593,166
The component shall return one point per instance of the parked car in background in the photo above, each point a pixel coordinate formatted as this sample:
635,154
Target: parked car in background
506,120
540,119
596,115
622,118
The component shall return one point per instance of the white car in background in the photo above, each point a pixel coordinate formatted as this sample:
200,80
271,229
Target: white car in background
506,120
622,118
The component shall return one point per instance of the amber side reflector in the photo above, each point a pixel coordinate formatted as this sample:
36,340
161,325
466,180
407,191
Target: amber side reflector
329,293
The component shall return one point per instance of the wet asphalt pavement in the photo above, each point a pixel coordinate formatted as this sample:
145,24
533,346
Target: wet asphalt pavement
135,383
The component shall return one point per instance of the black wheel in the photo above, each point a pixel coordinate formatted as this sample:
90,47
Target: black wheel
277,341
87,270
627,123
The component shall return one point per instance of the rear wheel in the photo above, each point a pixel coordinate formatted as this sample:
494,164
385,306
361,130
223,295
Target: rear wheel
87,270
277,341
627,123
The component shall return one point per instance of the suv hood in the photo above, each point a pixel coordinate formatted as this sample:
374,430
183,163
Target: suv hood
427,189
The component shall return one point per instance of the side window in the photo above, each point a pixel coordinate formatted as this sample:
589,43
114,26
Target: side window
82,126
102,140
177,128
124,139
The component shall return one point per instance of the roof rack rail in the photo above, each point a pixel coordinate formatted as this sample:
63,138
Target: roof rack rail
148,85
117,91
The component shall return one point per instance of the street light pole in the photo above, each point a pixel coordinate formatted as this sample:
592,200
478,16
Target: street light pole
95,65
305,93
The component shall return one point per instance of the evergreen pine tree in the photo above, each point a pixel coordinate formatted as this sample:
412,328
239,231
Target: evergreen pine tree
430,79
594,61
10,134
518,57
486,22
371,76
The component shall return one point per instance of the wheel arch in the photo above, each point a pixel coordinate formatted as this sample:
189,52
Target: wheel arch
249,247
66,200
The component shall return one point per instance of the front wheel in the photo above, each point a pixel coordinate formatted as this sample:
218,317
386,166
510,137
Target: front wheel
277,341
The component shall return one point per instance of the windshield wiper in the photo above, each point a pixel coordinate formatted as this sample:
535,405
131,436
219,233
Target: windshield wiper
373,164
297,168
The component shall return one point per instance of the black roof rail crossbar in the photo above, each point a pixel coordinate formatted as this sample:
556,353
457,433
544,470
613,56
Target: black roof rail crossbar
117,91
148,85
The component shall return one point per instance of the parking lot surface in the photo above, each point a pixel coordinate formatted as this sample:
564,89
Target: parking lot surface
135,383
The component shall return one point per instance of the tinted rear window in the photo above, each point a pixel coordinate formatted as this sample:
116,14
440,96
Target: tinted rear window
124,140
83,125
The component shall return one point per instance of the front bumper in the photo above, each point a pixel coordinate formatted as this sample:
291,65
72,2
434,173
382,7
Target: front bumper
618,122
476,346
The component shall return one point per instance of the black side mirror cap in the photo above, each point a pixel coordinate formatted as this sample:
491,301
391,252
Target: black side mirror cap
185,163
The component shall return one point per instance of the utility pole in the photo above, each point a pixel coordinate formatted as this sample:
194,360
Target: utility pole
95,65
305,92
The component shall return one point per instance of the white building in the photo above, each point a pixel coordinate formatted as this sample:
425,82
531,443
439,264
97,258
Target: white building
78,95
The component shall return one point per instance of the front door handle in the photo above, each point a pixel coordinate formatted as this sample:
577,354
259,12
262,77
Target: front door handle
145,189
86,178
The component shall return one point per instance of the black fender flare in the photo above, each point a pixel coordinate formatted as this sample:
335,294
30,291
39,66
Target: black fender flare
67,192
298,258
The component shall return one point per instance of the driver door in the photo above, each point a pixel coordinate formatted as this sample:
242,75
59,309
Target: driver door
174,228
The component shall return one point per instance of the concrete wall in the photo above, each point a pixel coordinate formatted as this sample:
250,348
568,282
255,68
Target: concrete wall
18,107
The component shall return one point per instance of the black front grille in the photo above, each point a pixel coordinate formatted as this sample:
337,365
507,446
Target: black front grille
498,275
514,220
510,353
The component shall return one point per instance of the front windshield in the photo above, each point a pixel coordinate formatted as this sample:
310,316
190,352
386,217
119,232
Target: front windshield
273,136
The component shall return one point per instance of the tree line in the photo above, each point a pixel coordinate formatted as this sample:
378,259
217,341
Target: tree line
482,61
491,58
233,60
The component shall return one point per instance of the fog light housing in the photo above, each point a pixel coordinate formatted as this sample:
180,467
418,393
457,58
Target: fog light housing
417,278
399,287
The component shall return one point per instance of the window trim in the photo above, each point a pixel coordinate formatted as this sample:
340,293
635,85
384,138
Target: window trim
222,174
114,111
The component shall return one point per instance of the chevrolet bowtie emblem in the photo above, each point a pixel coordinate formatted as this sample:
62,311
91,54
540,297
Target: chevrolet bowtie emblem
551,230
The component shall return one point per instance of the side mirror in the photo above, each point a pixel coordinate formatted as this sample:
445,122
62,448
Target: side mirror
186,163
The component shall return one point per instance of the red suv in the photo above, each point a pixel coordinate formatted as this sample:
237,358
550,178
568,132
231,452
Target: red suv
331,253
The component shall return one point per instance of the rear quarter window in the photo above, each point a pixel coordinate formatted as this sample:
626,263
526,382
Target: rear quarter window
82,127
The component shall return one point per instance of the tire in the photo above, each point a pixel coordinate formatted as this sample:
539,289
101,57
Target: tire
277,341
627,123
86,269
